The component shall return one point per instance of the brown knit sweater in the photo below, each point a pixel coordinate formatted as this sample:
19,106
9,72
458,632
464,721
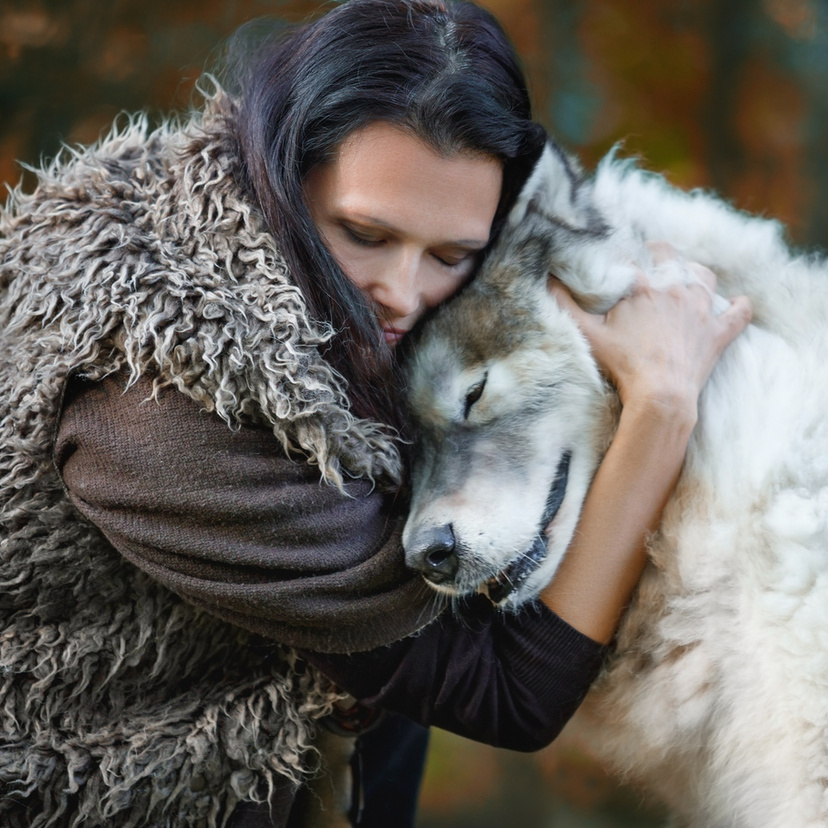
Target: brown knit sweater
226,520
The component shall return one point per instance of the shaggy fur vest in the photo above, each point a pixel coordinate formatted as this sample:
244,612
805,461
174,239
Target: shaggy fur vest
120,704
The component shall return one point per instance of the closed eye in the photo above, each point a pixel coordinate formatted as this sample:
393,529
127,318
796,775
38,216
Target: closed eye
453,263
360,238
473,395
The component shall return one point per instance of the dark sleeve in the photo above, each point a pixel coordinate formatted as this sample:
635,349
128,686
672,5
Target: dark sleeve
229,522
512,681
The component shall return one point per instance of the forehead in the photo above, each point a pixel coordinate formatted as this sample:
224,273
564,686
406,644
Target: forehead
384,171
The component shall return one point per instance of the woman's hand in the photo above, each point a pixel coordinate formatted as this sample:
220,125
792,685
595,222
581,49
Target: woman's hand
659,346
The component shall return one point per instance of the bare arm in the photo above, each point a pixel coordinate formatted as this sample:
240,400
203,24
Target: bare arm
658,348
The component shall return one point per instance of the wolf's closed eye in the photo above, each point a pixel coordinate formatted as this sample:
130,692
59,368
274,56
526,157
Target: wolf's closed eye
475,393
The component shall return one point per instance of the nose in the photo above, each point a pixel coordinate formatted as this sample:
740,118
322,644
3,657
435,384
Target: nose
433,552
399,291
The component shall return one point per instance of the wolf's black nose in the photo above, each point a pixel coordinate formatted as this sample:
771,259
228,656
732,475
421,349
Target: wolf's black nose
434,554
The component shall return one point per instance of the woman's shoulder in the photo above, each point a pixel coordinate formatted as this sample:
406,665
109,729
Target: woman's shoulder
146,429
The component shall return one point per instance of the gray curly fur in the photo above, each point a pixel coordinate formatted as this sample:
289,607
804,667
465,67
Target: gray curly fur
119,703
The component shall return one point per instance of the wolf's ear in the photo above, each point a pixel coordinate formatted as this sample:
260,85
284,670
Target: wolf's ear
556,190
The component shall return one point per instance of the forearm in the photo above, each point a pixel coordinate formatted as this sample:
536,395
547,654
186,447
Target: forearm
595,580
658,348
507,680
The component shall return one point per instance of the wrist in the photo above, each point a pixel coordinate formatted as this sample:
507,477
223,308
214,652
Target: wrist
661,409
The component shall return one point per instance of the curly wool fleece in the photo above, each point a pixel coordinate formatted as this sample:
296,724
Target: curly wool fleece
120,703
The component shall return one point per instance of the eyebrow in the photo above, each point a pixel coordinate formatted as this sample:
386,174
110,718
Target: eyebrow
467,244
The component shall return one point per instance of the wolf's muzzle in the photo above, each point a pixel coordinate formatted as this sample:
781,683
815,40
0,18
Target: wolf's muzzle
506,582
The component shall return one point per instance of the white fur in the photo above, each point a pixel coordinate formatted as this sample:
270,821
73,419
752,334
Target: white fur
722,671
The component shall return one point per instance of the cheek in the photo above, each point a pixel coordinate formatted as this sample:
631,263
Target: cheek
359,265
444,285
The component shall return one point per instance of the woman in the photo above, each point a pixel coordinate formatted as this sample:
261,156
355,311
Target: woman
197,323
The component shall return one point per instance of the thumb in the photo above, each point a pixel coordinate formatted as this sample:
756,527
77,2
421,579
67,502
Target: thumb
735,319
589,323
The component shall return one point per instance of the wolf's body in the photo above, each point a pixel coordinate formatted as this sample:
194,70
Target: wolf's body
717,694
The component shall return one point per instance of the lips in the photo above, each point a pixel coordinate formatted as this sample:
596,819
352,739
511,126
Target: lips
509,579
393,335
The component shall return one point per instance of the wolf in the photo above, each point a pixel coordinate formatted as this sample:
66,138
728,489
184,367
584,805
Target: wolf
715,696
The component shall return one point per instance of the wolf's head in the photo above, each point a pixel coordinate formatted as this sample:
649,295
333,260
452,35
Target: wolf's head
512,415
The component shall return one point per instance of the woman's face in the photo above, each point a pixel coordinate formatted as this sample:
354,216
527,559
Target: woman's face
405,223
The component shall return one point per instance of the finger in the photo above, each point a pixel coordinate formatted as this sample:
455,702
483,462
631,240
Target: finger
735,318
563,297
704,275
661,252
640,284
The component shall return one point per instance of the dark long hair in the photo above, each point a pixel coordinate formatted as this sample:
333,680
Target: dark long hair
443,70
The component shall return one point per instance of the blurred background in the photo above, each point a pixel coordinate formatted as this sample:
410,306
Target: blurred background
721,94
727,94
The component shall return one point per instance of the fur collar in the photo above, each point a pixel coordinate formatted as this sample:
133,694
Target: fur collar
143,250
